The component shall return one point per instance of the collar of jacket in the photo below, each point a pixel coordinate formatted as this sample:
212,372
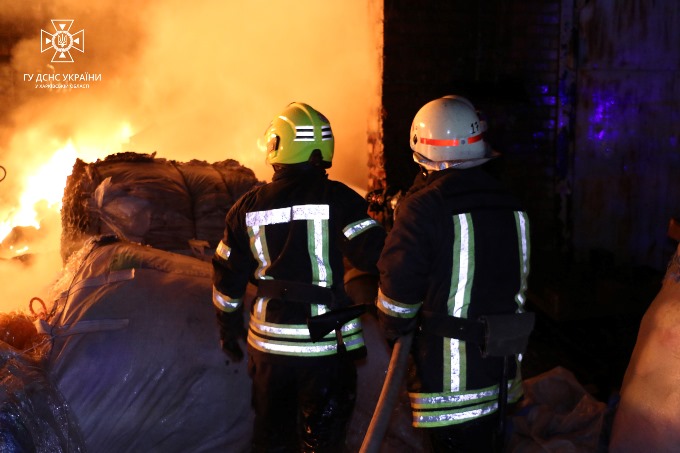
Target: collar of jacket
472,177
302,170
467,175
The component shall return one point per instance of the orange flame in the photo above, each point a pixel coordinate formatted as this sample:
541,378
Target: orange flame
45,185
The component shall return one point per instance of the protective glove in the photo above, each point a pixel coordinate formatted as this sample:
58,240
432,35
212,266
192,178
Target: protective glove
231,330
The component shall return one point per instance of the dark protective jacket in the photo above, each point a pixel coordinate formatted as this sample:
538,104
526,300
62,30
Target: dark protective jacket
297,228
459,248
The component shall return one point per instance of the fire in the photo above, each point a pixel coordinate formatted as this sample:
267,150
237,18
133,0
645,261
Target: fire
46,183
182,94
43,188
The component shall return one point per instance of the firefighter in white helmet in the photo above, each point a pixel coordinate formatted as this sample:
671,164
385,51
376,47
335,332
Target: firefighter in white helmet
454,270
291,237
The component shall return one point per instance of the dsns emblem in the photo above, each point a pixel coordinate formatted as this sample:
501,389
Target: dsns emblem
62,41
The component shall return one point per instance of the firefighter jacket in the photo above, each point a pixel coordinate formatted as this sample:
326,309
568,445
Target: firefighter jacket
298,228
459,248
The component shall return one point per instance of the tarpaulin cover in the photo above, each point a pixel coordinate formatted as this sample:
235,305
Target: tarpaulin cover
33,415
136,357
557,414
136,354
648,415
169,205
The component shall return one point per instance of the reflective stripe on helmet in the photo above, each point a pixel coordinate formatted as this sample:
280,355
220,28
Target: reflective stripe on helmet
224,302
304,134
451,142
326,133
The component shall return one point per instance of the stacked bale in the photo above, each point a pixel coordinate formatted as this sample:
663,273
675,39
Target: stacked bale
169,205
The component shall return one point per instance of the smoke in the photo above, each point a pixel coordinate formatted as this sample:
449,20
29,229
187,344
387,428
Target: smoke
187,80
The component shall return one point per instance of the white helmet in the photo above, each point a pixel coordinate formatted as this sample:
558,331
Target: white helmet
448,132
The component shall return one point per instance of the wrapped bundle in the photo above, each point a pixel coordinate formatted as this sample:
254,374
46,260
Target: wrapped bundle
166,204
33,415
648,414
135,353
126,357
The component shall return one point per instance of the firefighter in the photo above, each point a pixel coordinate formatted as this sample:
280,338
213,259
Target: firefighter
292,238
453,273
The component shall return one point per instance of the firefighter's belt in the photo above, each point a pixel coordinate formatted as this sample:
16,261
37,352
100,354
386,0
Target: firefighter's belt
296,292
496,335
444,325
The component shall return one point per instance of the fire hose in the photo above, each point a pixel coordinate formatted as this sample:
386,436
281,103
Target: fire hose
388,395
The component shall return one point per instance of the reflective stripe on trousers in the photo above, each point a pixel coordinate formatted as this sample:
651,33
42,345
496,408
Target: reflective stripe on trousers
432,410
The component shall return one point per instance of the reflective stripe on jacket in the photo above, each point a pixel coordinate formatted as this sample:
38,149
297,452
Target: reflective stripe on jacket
460,247
294,339
300,227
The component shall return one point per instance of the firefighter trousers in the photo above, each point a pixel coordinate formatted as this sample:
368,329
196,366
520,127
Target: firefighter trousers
302,408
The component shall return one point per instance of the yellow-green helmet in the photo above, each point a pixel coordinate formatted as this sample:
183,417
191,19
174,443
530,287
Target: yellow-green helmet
296,133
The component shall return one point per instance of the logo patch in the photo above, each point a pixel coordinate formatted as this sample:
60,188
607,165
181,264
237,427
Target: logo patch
62,41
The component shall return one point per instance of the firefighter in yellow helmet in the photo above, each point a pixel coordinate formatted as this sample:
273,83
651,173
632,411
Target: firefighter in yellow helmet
291,237
454,271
